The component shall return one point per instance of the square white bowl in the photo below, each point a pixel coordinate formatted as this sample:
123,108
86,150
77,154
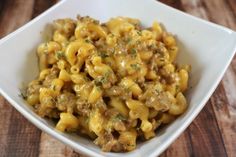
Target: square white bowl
208,47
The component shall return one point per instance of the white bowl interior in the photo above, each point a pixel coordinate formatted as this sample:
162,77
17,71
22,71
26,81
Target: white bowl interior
208,48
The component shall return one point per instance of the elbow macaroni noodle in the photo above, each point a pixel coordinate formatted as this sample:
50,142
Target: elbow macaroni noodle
115,82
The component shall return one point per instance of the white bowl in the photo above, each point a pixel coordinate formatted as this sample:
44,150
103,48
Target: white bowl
209,48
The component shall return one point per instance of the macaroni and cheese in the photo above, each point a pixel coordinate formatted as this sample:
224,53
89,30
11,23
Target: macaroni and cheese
114,82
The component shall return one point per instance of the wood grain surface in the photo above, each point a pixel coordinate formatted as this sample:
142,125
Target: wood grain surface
212,133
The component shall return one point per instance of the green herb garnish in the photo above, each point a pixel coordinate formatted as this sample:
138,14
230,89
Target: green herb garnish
135,66
88,41
106,77
158,91
113,51
128,88
98,82
60,55
54,87
138,42
130,145
152,46
119,117
22,95
99,88
128,40
112,35
139,33
103,80
133,52
103,54
87,120
177,88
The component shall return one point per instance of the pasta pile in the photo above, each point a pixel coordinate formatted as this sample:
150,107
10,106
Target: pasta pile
114,82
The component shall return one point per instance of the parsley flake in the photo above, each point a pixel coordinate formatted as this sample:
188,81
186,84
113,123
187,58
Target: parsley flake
98,82
128,40
139,33
119,117
135,66
103,54
177,88
60,55
88,41
133,52
103,79
23,93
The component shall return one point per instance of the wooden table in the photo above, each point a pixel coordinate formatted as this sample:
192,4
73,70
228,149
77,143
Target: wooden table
212,133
